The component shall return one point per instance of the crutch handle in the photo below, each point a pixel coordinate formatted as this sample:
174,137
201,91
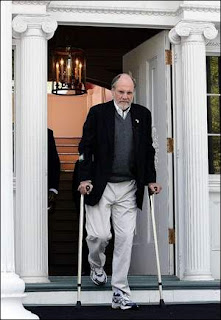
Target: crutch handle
151,192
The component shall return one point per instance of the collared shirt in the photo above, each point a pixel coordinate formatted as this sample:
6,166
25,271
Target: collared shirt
122,113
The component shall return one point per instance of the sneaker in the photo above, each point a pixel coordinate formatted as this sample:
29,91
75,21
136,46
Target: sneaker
98,276
121,300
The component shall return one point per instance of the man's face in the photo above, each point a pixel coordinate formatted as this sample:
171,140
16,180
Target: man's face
123,92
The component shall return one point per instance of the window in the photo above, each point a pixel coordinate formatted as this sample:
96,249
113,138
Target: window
213,113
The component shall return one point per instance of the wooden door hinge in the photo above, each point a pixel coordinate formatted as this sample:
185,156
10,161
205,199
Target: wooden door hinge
170,145
168,57
171,236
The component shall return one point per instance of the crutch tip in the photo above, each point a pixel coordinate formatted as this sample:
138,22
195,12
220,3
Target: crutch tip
78,305
162,303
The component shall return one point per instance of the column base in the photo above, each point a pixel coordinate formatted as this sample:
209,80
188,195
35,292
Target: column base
35,279
11,298
198,277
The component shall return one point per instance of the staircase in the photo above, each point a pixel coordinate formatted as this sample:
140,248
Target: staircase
63,223
67,149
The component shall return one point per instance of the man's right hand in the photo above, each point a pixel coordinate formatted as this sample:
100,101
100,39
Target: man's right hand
85,187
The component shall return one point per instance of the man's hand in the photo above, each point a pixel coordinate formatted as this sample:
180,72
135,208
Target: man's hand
154,188
85,187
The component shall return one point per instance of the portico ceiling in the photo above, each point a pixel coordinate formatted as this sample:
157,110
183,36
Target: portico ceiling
104,48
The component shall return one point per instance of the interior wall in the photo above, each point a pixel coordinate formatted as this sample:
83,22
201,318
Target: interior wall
67,114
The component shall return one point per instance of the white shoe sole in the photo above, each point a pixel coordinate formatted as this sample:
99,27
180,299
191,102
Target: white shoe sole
98,283
119,306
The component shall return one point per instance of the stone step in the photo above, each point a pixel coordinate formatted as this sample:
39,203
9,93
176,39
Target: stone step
62,290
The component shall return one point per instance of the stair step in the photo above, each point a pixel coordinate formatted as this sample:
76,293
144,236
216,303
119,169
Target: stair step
63,205
64,237
67,145
67,165
66,176
65,185
136,282
69,248
67,140
65,195
68,157
67,148
61,259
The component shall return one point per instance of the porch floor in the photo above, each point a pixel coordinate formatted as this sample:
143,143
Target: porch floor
144,289
69,283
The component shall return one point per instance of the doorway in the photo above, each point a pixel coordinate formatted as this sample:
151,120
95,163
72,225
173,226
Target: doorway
109,52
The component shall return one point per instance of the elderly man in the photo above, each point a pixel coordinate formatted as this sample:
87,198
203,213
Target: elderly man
116,162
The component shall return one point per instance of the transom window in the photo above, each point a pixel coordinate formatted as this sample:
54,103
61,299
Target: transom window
213,112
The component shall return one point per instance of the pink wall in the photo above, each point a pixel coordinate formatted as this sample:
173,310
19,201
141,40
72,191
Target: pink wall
66,115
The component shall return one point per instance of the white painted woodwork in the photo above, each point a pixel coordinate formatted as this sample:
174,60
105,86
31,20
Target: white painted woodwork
147,65
104,297
31,135
12,287
213,49
103,15
192,37
214,209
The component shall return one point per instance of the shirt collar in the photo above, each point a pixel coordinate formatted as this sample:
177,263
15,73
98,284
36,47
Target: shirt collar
122,113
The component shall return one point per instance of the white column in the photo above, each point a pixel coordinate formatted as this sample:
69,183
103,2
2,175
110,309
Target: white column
31,133
193,36
12,287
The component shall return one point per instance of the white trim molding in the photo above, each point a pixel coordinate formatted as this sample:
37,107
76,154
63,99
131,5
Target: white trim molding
199,8
214,183
140,14
112,10
39,3
53,6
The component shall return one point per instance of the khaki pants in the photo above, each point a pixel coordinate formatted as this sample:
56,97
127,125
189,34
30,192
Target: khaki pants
118,202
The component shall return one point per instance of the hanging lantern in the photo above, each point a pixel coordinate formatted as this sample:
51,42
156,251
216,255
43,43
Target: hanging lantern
69,71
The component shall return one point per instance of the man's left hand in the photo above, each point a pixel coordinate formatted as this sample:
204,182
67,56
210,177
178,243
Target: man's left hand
154,188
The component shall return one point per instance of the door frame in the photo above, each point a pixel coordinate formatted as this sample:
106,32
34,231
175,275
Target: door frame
170,130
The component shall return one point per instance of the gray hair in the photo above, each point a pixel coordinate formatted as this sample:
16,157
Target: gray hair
115,79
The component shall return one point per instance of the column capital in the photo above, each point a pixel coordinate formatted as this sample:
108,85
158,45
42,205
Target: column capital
188,31
34,25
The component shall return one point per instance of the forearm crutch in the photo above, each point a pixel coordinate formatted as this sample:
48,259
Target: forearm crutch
80,242
156,250
80,245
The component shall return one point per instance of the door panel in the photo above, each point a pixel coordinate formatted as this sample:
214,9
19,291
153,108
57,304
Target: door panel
147,65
